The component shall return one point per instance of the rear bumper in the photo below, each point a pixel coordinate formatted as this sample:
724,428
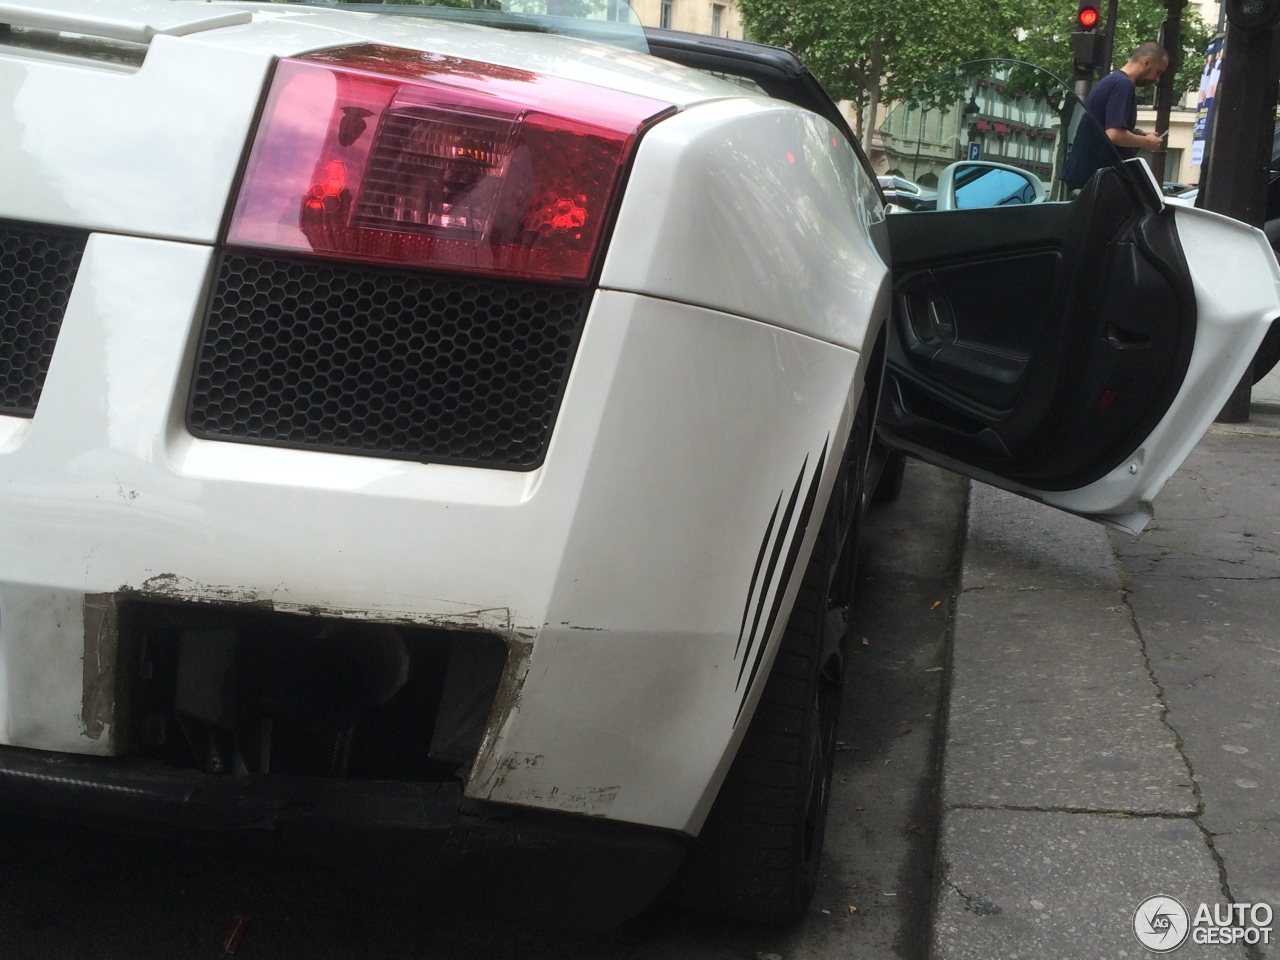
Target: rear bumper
124,790
616,573
534,866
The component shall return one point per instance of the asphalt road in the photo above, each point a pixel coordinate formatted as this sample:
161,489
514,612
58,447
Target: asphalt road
79,892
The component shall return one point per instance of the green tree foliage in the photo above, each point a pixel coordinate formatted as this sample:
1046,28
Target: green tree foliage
869,50
862,50
1136,22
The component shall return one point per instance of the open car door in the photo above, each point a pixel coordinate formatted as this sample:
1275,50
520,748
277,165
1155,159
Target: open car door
1072,348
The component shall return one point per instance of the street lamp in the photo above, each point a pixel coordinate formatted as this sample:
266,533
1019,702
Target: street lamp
915,164
970,113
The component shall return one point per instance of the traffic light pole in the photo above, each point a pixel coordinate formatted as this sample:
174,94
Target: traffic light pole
1081,83
1108,40
1086,47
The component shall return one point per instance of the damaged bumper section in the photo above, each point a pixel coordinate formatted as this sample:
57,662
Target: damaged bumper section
237,689
347,740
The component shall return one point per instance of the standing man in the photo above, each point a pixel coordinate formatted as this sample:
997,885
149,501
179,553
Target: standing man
1113,103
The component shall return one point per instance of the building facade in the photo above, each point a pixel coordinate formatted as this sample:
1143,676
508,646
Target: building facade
719,18
995,120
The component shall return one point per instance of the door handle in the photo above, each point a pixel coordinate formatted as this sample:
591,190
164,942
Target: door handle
1123,339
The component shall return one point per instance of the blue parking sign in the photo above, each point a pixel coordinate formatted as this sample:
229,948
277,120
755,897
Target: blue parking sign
975,150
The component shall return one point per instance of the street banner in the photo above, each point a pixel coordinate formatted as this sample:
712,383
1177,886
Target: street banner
1204,103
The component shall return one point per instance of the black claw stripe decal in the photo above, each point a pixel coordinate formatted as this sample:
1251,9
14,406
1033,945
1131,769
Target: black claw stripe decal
751,591
757,640
768,574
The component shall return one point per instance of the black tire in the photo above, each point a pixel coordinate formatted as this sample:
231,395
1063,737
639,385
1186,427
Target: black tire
889,487
757,857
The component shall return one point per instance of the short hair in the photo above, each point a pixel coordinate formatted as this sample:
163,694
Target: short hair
1149,49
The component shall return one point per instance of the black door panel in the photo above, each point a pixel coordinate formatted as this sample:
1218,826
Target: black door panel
1041,343
971,329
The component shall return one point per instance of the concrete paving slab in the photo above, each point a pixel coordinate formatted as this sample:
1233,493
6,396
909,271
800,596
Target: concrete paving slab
1204,587
1020,884
1218,657
1161,704
1015,544
1052,707
1252,858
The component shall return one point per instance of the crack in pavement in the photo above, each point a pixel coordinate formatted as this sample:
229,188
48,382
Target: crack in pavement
976,904
1252,952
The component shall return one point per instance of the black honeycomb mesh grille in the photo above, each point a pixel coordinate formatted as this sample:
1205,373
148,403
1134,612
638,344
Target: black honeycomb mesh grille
363,360
37,270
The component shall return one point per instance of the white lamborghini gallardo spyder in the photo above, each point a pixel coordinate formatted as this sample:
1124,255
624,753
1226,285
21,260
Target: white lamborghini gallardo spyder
439,420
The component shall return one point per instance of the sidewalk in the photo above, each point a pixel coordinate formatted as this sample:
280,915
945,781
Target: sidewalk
1093,753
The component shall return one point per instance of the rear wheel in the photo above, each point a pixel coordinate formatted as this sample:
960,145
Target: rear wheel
758,855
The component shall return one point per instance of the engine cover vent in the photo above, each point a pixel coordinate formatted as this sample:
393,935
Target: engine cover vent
414,366
38,267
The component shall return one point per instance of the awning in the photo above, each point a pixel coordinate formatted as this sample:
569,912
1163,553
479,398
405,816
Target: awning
1000,128
983,126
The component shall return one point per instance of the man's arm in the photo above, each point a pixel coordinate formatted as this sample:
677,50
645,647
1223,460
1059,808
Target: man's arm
1127,138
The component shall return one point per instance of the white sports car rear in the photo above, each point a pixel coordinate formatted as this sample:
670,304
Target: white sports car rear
414,419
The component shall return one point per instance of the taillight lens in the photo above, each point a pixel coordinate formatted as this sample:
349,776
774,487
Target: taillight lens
393,156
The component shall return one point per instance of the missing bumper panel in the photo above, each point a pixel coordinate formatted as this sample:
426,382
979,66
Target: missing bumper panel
232,690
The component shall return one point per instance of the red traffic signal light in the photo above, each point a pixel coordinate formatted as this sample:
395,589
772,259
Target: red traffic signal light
1087,18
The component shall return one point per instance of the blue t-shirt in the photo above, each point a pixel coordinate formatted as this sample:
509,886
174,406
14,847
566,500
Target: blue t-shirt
1112,103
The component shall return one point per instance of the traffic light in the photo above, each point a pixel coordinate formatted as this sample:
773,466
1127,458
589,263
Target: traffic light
1253,14
1086,42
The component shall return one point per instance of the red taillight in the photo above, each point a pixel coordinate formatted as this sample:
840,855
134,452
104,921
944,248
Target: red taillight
392,156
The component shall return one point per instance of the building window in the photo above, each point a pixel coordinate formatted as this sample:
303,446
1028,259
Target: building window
664,20
717,19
